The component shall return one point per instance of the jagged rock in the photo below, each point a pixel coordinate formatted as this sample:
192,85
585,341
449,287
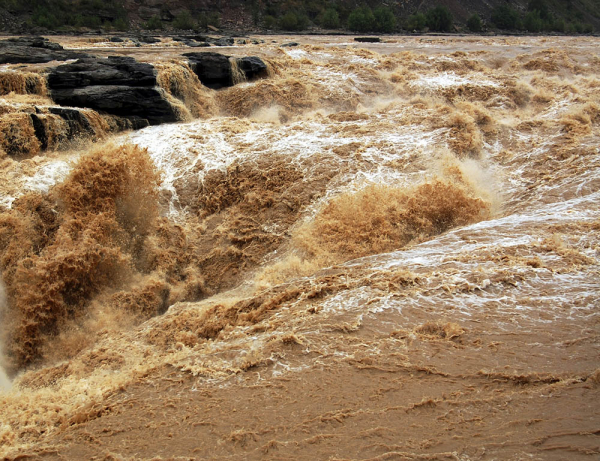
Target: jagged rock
253,67
126,101
32,50
290,44
214,69
78,125
116,85
116,39
194,41
225,41
203,40
34,42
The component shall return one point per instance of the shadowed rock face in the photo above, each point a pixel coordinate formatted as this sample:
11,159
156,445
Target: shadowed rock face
78,124
252,67
214,69
34,50
116,85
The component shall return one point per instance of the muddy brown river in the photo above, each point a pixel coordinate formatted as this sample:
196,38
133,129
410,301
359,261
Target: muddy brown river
382,251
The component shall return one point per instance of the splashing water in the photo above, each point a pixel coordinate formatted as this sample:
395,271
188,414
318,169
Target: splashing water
375,251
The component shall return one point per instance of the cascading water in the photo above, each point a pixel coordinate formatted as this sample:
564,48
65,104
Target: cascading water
377,253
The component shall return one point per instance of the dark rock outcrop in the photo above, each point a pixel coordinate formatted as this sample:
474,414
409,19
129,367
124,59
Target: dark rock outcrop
195,44
115,85
224,41
78,123
115,70
34,50
252,67
195,41
148,39
367,39
126,101
215,70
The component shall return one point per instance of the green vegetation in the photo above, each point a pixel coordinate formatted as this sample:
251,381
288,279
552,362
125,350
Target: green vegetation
416,22
209,19
385,21
121,24
330,19
535,16
439,19
533,22
539,6
539,17
184,21
269,22
505,17
474,23
65,14
361,20
154,23
293,21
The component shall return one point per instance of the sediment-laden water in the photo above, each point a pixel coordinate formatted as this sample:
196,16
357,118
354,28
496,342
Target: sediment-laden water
382,253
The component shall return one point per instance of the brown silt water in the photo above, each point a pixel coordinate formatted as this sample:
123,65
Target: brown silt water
378,251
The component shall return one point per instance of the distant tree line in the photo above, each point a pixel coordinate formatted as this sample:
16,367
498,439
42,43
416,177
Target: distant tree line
538,18
61,14
297,15
293,15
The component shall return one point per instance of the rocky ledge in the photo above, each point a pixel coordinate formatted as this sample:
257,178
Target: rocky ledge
219,71
116,85
34,50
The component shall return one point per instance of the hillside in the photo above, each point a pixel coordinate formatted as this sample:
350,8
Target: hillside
43,16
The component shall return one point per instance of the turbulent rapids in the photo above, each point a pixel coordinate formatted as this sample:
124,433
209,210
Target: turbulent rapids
371,253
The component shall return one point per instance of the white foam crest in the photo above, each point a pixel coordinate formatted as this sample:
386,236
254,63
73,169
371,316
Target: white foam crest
449,79
510,231
48,175
296,53
347,300
176,150
6,201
